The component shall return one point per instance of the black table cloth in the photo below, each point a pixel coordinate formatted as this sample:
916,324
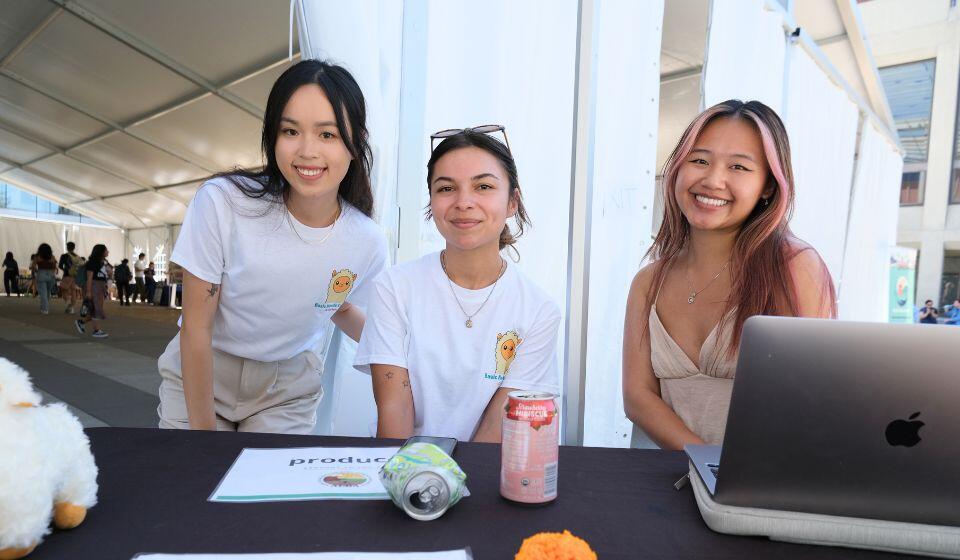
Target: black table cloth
154,486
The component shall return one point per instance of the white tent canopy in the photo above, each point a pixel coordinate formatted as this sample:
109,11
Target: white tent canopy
117,109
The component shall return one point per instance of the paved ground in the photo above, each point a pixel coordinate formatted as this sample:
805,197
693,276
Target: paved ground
105,382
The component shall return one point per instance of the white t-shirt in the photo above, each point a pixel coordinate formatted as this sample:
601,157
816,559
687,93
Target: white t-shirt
414,322
280,281
138,268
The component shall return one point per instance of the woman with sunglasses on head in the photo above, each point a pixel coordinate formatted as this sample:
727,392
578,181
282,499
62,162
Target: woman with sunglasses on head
724,252
270,258
450,334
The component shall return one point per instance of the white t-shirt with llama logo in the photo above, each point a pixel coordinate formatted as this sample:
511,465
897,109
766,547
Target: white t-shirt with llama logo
414,322
280,280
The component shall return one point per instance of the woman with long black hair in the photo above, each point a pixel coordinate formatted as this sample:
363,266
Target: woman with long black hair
46,275
95,290
272,258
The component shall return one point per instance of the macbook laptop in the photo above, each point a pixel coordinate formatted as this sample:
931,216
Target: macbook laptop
842,418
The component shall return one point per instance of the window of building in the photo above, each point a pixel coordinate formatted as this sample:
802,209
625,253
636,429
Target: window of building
950,282
909,90
19,203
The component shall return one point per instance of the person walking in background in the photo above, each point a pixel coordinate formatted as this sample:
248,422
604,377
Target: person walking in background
32,285
95,291
11,274
68,286
150,285
111,283
138,268
929,313
122,277
953,314
46,275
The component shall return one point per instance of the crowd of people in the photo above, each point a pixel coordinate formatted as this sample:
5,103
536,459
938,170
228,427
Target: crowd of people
83,283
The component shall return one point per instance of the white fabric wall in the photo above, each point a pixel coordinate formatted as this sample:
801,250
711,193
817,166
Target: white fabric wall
872,230
822,124
366,38
156,242
745,54
24,236
622,172
501,62
509,63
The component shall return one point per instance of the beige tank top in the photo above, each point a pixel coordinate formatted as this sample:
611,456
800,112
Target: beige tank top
699,396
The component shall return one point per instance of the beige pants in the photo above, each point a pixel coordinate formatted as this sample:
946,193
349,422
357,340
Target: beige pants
248,396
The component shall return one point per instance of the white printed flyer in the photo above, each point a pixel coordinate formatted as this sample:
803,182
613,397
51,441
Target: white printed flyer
443,555
305,473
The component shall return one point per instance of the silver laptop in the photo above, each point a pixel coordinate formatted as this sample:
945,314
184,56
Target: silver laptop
842,418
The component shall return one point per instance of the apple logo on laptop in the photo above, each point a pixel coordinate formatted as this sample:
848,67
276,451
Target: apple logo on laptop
904,432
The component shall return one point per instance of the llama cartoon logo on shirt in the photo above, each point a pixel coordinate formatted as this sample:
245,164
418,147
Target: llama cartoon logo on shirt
506,351
341,282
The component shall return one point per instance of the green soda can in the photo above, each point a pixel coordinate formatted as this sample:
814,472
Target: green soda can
423,481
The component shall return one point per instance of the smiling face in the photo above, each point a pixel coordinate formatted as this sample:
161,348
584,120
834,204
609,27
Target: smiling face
342,284
310,153
470,198
723,177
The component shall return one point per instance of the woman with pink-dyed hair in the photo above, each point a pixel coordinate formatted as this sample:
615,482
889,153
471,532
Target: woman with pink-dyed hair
724,252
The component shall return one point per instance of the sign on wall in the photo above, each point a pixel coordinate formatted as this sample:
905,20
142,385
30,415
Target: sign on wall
903,277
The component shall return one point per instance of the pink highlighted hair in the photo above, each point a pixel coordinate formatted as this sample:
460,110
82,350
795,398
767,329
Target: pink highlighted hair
762,283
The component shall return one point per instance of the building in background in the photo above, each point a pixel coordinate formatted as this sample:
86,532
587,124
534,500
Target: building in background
916,45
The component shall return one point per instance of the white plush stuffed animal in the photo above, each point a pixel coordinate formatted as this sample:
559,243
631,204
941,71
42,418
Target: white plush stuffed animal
46,467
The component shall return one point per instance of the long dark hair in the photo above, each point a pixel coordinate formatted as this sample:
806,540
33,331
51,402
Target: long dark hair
765,245
45,252
489,144
97,255
350,111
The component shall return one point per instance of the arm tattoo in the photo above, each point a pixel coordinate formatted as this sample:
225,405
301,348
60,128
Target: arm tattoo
406,384
389,375
213,290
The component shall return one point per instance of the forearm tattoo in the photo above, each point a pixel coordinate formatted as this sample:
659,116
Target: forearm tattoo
212,291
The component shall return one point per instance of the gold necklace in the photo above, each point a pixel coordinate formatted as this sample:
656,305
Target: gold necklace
469,321
325,237
694,293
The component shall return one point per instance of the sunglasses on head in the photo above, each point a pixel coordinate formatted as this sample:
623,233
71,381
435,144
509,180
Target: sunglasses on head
483,129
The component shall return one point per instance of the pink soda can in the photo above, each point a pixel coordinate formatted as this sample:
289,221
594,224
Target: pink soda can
529,448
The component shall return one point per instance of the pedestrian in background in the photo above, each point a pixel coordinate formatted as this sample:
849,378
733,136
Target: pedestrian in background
45,266
150,283
68,285
138,276
122,277
11,274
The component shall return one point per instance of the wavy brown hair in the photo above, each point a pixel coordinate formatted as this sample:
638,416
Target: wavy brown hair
762,283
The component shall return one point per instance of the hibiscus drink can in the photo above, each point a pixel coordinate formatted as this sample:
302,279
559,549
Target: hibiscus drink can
423,480
529,448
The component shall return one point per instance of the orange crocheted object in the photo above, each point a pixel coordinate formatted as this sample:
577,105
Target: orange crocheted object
555,546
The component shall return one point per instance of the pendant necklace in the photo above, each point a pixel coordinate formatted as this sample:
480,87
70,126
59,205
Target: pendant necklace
469,316
694,293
